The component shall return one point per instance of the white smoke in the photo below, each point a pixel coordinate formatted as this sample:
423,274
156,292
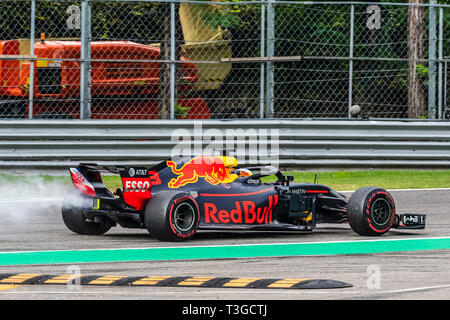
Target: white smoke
27,196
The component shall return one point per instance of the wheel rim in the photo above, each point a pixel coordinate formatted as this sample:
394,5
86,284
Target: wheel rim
381,211
184,217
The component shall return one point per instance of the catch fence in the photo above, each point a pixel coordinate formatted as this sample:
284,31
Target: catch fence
169,59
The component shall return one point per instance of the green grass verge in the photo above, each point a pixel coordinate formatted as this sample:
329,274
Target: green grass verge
338,180
387,179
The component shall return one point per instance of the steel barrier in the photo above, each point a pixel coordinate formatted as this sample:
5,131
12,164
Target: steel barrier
299,144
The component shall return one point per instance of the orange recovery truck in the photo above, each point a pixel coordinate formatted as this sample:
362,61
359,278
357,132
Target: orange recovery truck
124,81
124,75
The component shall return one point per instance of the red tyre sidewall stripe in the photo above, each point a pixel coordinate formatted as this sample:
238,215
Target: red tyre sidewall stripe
170,219
391,221
176,201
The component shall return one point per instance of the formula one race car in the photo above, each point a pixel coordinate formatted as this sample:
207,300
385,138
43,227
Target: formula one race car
176,198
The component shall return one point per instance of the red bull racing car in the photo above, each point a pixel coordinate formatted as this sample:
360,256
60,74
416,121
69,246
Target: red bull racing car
174,199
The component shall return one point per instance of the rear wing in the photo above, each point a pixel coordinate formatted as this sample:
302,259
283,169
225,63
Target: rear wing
88,180
93,167
136,181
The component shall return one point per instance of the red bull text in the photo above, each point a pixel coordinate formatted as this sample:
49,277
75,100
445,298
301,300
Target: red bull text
244,212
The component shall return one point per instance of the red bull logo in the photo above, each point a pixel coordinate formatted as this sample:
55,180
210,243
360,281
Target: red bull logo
211,168
244,212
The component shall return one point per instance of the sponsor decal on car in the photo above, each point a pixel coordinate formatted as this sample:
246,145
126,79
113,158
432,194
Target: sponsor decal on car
244,212
211,168
137,184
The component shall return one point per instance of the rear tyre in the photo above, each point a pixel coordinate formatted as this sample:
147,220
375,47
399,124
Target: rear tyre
172,216
371,211
74,207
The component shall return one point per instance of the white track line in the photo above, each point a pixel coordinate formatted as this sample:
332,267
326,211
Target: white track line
418,289
227,245
18,200
237,291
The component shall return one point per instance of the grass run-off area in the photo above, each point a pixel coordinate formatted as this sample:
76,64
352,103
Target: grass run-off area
338,180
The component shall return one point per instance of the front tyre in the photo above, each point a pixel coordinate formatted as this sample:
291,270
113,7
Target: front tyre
172,216
371,211
74,207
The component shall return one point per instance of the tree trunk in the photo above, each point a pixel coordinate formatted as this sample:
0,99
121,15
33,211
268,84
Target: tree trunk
416,50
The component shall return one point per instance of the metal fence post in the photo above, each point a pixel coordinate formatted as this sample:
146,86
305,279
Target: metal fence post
85,56
172,60
432,61
441,65
269,65
261,80
350,71
32,36
445,86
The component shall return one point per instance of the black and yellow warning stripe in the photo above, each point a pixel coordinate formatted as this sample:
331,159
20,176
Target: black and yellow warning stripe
169,281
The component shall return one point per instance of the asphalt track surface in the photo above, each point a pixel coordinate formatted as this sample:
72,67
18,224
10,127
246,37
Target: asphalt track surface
413,273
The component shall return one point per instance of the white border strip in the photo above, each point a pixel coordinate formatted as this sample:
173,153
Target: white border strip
233,245
18,200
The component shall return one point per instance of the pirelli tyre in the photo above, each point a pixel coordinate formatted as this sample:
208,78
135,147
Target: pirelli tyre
171,216
73,209
371,211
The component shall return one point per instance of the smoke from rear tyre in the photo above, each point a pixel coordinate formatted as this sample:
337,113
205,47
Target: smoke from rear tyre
73,211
